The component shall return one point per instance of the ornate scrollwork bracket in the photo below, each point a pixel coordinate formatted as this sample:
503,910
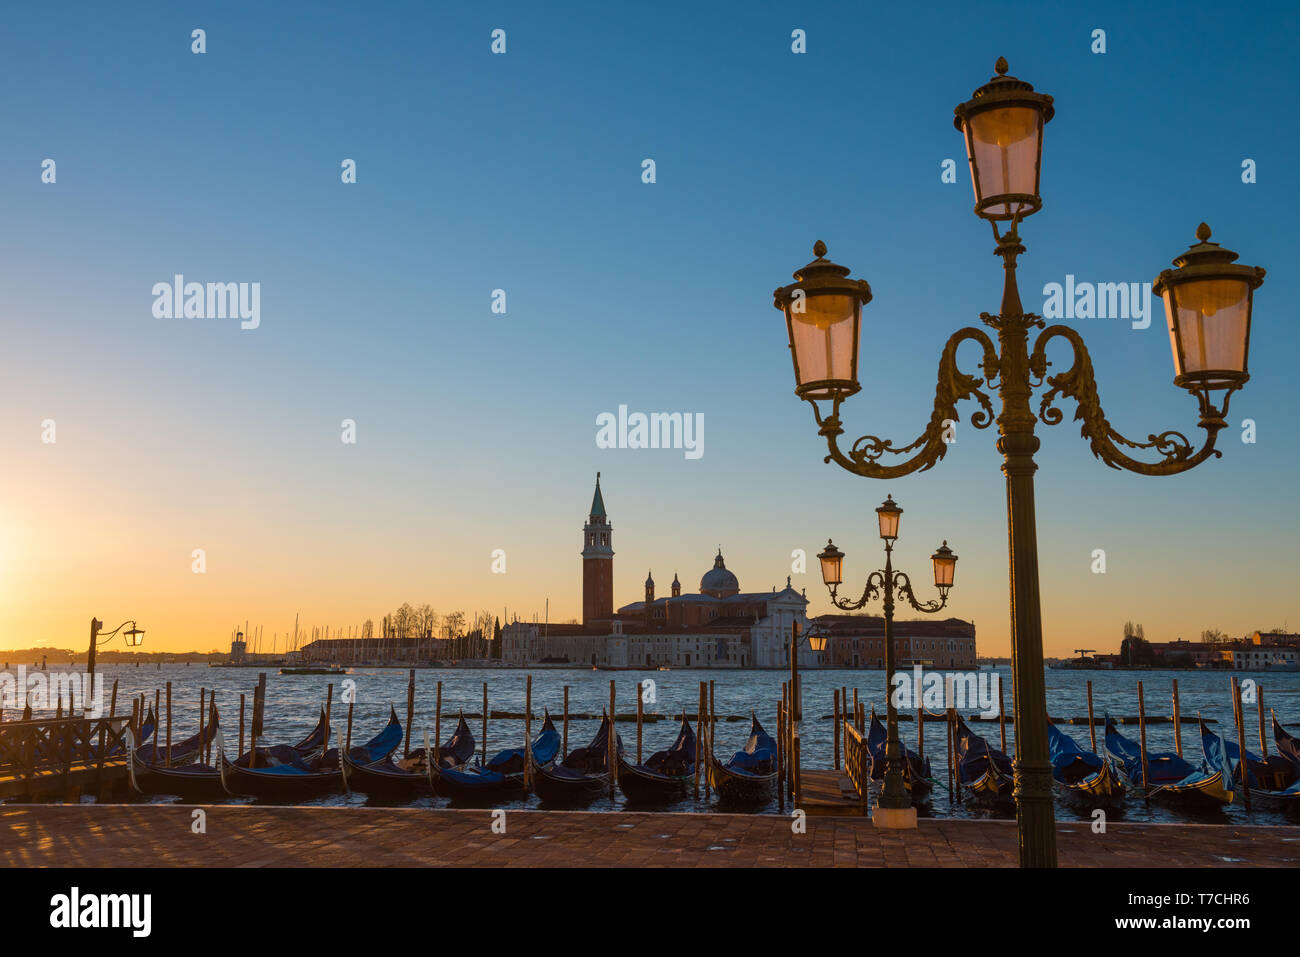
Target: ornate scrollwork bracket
1079,383
875,583
953,385
903,587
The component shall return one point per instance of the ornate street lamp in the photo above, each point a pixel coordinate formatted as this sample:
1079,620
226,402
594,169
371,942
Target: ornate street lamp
1208,301
134,637
894,809
814,639
1003,124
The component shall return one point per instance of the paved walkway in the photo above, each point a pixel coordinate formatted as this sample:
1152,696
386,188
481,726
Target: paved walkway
144,835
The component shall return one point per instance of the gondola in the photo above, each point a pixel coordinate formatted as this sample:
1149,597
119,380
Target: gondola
1288,747
1170,779
917,779
307,749
984,772
504,772
1081,775
414,774
1273,783
582,775
195,780
296,772
155,752
665,775
748,777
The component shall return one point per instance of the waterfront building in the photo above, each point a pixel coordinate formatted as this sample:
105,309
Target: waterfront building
718,627
858,641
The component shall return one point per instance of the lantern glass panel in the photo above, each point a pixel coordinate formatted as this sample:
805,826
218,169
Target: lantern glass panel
945,567
823,337
1004,151
889,522
831,565
1211,317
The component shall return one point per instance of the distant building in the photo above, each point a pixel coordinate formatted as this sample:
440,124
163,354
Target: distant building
238,648
721,626
858,641
1274,639
1248,656
1202,655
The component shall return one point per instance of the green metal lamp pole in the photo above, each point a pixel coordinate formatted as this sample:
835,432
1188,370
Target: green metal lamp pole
1208,301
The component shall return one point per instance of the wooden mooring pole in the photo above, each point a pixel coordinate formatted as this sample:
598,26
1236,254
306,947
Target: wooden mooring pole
528,733
641,717
1142,736
612,744
1092,728
410,711
780,756
168,759
437,730
1242,765
836,765
1178,730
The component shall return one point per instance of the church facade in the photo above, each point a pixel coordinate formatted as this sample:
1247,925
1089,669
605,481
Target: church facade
718,627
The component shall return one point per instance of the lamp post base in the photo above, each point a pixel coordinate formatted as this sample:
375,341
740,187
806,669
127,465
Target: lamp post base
894,818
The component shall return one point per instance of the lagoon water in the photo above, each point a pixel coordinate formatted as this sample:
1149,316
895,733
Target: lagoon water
293,703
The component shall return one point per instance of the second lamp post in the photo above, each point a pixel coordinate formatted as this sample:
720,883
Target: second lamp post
894,809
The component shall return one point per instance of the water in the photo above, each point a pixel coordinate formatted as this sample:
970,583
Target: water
293,703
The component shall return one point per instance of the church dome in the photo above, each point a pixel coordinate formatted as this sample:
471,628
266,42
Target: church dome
717,581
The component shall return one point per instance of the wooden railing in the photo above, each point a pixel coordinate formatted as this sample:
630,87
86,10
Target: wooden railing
59,746
857,760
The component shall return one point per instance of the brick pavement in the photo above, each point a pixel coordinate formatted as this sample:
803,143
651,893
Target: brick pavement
148,835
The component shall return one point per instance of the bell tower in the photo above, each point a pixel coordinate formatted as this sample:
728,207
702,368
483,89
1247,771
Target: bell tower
597,563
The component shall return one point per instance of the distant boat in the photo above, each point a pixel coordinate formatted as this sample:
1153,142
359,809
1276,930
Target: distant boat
314,670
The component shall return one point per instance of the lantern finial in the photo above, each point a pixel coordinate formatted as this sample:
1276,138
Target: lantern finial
1001,66
819,249
1203,232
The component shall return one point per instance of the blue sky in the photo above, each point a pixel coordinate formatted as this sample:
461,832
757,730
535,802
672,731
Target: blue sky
523,172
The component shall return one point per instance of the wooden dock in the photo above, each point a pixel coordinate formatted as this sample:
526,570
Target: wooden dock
62,757
829,792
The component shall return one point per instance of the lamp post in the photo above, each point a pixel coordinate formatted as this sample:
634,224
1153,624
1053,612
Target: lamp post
1208,300
134,637
894,809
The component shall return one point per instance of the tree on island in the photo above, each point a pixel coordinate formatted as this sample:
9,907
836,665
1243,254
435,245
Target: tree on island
1213,637
1135,650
